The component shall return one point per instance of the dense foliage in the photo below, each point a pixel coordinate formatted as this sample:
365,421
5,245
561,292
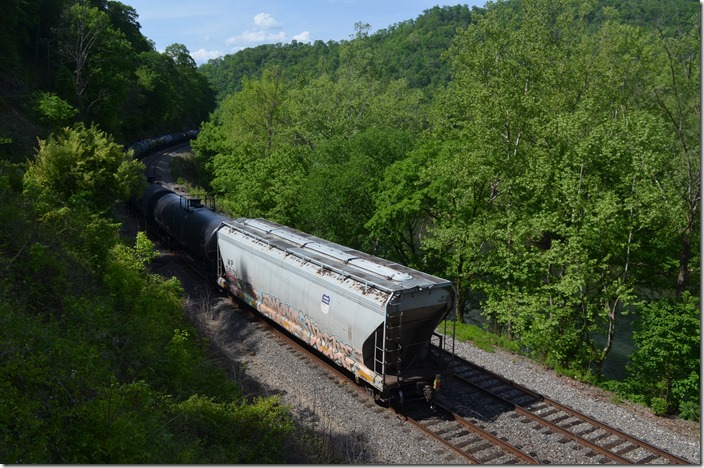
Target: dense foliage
97,361
551,168
410,50
86,60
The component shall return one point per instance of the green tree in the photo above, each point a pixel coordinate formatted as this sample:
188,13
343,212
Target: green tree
97,58
486,124
540,186
193,97
397,223
82,165
353,129
124,18
664,369
338,195
281,151
155,111
169,93
256,167
358,57
677,90
52,110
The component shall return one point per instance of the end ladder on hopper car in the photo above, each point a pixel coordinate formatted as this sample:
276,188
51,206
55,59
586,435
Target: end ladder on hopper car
387,344
393,329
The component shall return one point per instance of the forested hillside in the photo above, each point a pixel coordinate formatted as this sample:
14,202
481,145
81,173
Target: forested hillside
97,361
410,50
65,61
542,154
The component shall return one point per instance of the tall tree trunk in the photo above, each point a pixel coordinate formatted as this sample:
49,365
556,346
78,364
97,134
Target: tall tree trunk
611,313
685,255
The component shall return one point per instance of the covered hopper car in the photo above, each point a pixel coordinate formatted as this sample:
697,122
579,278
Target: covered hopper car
372,317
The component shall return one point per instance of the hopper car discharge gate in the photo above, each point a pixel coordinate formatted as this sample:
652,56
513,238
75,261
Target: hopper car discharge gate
381,355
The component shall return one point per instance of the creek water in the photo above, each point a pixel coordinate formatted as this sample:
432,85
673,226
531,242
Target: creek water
615,364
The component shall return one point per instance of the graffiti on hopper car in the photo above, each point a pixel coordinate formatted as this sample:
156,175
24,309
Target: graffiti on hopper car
241,288
299,324
295,321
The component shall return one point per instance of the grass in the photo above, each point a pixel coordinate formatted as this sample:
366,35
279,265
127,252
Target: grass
482,339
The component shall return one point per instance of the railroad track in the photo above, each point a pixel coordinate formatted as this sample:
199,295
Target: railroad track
341,376
601,442
156,164
152,163
467,440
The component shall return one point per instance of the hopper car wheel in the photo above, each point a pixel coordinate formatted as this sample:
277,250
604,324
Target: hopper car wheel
426,390
396,399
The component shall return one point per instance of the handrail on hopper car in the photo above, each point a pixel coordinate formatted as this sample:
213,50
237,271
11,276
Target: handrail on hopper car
342,272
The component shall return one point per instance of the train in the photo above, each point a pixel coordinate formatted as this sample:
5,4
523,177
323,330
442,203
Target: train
143,147
371,317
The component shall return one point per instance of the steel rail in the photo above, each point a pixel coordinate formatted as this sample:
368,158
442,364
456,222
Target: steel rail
438,438
544,422
576,414
491,438
638,442
343,376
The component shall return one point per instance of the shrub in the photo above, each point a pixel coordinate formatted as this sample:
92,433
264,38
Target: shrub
690,410
52,110
664,368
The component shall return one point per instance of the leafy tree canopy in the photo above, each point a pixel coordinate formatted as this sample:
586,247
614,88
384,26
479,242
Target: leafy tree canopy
544,154
84,165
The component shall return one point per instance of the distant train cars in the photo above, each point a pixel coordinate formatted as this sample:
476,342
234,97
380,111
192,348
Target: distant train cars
372,317
146,146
